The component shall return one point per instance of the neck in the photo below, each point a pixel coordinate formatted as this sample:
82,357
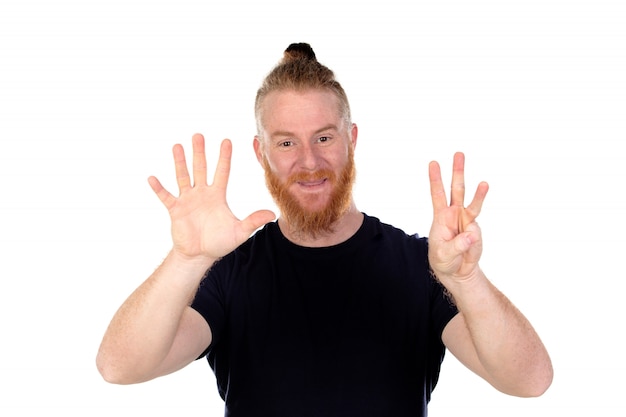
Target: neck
343,229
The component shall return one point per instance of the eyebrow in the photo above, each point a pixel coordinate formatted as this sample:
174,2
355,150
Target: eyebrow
284,133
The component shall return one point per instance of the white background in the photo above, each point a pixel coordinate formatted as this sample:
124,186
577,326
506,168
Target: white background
93,94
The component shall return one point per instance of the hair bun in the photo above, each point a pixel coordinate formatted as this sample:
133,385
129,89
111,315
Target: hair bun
299,51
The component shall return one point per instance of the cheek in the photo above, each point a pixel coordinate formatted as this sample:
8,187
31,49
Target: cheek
277,167
339,161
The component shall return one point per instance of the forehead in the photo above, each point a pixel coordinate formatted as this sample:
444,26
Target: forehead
289,110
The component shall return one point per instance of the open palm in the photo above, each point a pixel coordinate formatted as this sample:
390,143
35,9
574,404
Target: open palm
202,223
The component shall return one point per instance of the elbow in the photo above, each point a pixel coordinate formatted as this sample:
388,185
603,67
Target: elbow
107,372
541,382
111,372
533,385
542,379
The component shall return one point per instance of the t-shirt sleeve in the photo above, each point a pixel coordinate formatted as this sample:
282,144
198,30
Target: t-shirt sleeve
210,300
443,308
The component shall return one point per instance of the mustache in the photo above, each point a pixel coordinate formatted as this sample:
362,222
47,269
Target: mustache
311,176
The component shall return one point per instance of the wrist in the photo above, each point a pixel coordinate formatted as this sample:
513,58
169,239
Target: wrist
186,261
460,285
188,270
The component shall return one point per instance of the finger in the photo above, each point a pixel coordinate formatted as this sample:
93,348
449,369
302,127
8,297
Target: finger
256,220
462,243
199,160
222,171
165,196
457,191
450,250
182,174
437,191
474,208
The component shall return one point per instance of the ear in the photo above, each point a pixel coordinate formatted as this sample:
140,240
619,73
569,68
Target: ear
258,149
354,132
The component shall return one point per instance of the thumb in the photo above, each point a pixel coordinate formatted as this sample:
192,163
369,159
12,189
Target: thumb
447,252
463,241
256,220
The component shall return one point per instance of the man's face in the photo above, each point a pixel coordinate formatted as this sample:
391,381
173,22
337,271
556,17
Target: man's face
307,153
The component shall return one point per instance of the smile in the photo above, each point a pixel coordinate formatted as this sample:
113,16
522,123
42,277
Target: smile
311,184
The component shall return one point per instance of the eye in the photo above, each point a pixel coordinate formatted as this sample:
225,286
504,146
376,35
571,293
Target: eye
285,144
323,138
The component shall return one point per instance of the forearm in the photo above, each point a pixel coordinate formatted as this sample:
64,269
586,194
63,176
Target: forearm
510,353
143,329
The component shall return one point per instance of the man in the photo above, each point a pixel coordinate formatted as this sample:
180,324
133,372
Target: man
327,311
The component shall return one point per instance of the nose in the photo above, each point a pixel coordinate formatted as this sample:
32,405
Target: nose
308,157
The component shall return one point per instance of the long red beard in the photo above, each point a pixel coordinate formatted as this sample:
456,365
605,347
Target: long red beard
303,220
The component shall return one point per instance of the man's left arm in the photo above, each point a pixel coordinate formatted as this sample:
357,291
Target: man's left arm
489,335
493,338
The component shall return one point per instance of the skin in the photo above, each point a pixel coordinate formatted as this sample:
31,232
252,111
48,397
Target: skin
489,335
304,132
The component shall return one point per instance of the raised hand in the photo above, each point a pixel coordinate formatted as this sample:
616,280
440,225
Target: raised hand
455,241
202,223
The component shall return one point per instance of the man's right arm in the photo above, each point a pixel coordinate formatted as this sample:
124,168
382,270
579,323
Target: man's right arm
155,332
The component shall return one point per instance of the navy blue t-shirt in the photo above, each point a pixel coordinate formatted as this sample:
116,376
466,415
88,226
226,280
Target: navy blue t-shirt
347,330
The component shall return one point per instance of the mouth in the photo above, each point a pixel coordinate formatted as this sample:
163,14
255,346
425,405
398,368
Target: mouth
312,184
